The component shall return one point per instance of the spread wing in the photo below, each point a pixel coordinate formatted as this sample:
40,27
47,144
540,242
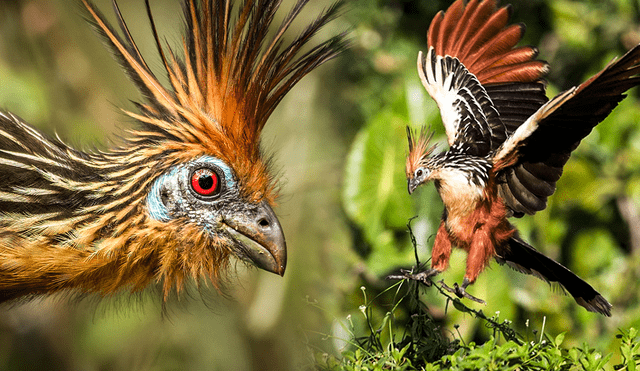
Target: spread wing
491,96
531,160
469,117
484,86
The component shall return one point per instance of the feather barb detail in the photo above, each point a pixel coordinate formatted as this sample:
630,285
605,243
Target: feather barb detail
477,33
225,79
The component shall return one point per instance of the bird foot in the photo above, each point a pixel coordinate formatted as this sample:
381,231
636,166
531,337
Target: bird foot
423,277
460,292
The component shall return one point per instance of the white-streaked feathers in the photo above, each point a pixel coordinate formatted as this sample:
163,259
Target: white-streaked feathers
456,109
441,92
439,85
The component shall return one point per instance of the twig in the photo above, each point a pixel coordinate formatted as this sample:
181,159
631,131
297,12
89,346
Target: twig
426,280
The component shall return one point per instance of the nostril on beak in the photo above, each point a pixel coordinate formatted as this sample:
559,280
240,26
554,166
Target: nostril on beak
264,223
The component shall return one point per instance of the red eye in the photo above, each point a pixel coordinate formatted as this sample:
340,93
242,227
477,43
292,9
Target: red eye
205,182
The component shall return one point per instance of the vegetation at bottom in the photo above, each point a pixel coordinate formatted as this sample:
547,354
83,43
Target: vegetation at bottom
417,341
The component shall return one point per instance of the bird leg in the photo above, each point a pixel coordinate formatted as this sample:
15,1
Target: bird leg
461,291
441,251
480,251
439,260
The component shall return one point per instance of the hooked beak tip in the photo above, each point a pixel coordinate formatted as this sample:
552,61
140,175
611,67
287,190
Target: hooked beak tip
260,239
411,186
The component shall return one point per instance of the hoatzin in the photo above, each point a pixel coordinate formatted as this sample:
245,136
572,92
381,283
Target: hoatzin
507,142
188,188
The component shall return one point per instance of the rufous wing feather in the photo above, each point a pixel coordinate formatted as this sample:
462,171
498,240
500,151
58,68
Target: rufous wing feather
499,84
478,35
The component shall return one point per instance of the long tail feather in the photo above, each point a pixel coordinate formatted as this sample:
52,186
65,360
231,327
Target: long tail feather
524,258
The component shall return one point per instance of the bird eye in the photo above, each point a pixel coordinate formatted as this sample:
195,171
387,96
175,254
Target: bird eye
205,182
418,173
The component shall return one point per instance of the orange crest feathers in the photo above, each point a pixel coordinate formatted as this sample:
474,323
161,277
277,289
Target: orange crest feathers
477,34
419,149
225,82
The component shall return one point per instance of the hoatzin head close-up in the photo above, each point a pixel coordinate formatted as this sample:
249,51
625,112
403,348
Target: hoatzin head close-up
508,143
188,188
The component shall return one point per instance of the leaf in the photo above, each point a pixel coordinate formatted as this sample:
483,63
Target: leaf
374,194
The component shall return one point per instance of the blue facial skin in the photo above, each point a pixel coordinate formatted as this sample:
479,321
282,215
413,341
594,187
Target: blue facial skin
250,229
157,209
171,195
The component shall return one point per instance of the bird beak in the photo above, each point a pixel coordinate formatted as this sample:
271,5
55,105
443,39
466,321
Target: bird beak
259,238
411,185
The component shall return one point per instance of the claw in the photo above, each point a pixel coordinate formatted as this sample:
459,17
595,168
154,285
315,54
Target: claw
423,277
460,291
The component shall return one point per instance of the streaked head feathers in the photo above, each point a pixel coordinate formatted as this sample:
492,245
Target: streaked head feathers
225,82
188,189
419,149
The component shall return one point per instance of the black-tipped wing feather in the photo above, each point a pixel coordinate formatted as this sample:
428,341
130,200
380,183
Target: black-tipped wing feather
516,102
471,121
541,146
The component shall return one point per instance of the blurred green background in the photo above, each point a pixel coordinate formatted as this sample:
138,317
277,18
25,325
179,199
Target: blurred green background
339,144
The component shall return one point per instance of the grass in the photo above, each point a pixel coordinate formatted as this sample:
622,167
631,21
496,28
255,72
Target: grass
416,341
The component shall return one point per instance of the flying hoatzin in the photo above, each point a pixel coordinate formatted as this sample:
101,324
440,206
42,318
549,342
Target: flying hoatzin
508,142
189,188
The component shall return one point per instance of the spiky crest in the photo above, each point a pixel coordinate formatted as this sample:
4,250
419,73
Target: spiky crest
228,81
419,149
80,220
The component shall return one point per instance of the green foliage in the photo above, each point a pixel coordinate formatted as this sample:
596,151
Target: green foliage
372,177
629,349
540,356
417,348
423,345
391,359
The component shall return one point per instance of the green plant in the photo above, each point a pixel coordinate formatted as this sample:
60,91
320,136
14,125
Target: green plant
420,343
